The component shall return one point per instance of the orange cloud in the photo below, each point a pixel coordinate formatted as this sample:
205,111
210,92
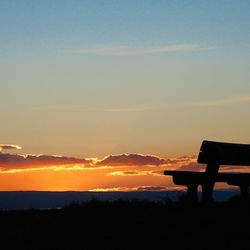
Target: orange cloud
11,163
125,172
182,160
136,173
194,166
128,173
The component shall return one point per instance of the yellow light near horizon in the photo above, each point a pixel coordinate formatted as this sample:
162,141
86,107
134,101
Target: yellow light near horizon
77,178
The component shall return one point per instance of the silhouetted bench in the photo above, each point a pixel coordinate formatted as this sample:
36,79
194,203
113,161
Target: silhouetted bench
215,154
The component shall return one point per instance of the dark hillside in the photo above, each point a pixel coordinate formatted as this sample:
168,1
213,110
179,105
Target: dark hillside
129,225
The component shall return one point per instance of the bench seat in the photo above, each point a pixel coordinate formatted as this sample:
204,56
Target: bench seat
185,177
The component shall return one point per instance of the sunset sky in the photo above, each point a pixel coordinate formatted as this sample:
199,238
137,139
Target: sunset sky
106,94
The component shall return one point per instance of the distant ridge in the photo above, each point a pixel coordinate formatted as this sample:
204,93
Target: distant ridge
13,200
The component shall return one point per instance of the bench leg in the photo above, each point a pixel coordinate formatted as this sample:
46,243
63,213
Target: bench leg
192,192
207,192
244,191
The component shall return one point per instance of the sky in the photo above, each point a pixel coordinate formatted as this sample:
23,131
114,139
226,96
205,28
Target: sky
85,81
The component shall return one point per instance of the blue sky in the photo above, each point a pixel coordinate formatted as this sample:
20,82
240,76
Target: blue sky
40,26
99,77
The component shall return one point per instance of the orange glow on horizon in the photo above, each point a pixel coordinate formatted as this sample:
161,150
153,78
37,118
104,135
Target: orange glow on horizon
90,177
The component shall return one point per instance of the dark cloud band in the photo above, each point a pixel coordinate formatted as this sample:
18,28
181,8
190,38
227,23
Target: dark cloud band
131,160
20,161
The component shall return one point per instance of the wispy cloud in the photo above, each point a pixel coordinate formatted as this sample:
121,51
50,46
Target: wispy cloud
225,101
78,167
121,50
129,173
124,110
158,173
194,166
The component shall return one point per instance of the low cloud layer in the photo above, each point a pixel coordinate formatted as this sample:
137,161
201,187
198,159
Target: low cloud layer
131,160
135,164
124,164
226,101
8,161
137,173
121,50
194,166
124,172
152,188
137,188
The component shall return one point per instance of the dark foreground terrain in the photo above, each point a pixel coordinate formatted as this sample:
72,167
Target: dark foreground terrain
129,225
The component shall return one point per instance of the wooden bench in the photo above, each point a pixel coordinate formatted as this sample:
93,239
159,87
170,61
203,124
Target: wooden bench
215,154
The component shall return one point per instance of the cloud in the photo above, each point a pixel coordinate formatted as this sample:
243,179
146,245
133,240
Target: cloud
129,173
234,168
152,188
226,101
181,160
121,50
111,189
178,163
69,167
135,164
12,161
159,173
125,173
189,163
137,188
193,166
131,160
9,146
137,173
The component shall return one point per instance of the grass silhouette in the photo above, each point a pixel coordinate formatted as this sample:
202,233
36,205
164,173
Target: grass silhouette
129,224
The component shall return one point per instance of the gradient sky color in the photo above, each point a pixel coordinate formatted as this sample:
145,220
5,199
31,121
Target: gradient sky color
95,78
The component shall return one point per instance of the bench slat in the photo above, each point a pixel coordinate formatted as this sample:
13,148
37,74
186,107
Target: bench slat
224,153
186,177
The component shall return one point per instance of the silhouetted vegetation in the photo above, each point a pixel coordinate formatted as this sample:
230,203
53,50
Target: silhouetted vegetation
129,224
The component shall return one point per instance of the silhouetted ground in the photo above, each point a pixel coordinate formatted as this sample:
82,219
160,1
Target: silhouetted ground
129,225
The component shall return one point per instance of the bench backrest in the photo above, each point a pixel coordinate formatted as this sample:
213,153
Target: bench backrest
220,153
